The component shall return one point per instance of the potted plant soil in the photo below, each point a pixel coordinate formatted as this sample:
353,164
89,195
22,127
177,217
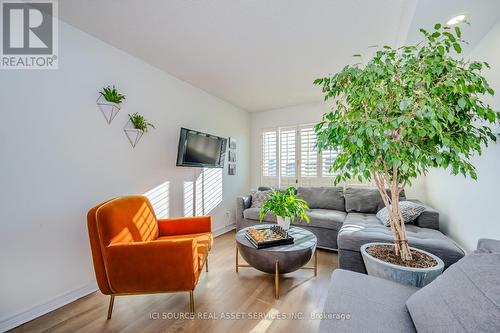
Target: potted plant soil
136,126
396,116
109,102
286,206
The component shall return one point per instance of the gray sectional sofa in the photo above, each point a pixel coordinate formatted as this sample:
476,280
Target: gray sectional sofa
465,298
343,219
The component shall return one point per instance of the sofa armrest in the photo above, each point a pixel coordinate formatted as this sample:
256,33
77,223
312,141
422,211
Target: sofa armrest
489,245
152,266
243,202
428,219
185,225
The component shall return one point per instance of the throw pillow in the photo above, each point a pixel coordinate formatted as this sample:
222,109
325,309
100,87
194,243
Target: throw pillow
259,197
409,210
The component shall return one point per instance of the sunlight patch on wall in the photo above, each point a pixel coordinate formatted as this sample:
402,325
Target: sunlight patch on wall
160,199
202,195
188,199
212,189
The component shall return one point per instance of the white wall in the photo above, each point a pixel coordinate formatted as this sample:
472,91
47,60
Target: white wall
469,209
59,158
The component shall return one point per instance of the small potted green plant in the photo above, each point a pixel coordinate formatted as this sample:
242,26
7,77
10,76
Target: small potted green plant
286,206
109,102
136,127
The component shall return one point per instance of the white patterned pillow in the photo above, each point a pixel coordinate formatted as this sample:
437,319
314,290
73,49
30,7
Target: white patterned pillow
409,210
259,197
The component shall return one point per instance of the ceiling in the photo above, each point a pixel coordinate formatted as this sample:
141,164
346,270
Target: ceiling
261,54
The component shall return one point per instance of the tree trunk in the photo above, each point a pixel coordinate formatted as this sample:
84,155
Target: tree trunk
395,217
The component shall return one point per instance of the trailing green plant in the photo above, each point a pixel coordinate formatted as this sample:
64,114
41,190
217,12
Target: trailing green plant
140,122
285,204
405,111
112,95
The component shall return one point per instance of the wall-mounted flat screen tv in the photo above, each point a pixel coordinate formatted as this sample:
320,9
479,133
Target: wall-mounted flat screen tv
197,149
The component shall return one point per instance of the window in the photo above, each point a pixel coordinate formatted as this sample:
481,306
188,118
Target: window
308,153
269,158
287,153
327,159
290,158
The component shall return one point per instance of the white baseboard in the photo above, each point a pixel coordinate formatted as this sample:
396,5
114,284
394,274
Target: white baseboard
45,308
223,230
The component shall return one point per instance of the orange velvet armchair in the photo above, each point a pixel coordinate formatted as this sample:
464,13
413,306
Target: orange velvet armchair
135,253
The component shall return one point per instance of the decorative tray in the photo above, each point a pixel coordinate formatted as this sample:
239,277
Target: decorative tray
268,237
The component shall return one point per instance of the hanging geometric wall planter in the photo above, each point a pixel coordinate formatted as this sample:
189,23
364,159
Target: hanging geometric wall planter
108,109
133,134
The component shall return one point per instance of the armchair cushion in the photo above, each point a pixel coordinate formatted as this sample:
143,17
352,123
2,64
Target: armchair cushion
203,238
185,225
154,266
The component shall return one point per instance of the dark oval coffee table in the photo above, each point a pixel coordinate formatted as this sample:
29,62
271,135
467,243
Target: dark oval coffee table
278,259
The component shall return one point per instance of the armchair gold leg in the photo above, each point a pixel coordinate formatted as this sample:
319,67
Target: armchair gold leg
276,281
110,308
236,259
316,262
191,302
206,264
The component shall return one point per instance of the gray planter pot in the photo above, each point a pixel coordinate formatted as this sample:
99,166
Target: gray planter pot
417,277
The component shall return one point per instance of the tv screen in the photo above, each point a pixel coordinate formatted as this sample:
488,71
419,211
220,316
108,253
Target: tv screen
197,149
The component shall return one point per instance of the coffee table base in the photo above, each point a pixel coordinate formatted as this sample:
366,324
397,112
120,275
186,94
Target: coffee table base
277,271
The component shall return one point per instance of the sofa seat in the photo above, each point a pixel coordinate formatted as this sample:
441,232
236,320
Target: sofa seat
372,304
362,228
326,218
321,218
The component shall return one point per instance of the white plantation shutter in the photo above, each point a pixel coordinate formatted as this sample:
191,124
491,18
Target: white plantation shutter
269,156
287,153
327,159
290,158
308,153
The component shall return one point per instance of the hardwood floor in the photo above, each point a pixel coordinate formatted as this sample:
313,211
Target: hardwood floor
244,298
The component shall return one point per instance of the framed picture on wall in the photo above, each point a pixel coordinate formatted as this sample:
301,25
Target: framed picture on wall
232,156
232,143
231,170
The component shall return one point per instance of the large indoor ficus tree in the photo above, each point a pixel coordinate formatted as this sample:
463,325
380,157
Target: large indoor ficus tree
405,111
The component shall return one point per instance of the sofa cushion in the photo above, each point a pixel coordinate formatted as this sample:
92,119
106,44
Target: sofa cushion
253,214
323,197
326,218
429,217
366,304
488,245
365,200
465,298
409,210
361,228
259,197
